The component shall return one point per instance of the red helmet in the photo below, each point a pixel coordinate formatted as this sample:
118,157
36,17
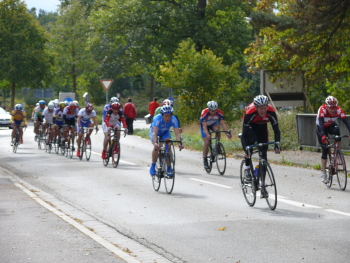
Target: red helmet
115,105
331,102
72,105
89,107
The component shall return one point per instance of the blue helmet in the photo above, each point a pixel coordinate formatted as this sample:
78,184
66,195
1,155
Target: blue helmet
18,107
42,102
166,109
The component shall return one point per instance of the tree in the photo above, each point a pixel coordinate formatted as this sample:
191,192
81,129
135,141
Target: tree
198,77
24,58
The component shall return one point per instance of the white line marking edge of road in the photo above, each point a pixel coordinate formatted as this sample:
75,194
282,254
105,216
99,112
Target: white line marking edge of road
121,161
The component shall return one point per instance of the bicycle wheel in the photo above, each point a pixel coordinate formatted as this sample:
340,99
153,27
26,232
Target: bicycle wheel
268,185
82,148
173,151
210,158
15,143
220,158
67,149
62,147
87,149
341,172
169,177
248,187
55,145
330,176
115,154
157,179
71,152
108,153
39,139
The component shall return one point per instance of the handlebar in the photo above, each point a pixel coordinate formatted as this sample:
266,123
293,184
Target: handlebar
337,136
171,141
262,144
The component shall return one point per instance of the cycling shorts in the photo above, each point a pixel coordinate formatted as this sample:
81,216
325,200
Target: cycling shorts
105,127
165,135
59,123
18,123
70,122
210,128
84,124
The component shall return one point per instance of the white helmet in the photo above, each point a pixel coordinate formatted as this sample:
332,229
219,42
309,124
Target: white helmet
212,105
51,106
261,100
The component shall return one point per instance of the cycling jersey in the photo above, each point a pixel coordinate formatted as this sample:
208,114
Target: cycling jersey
85,118
113,120
209,119
38,113
17,117
69,113
329,119
163,127
48,116
106,108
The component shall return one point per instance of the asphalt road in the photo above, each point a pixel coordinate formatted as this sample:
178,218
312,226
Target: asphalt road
205,219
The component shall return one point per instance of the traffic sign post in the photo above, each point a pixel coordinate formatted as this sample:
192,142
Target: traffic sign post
106,83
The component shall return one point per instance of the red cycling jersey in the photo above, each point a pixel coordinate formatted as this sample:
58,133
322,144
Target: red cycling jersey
329,119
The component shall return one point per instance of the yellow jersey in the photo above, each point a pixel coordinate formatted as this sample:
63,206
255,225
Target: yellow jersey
19,116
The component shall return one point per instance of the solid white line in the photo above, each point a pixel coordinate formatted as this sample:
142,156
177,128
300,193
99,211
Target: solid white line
121,161
80,227
338,212
221,185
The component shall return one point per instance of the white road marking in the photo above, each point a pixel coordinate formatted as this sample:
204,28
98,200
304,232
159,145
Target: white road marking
121,161
338,212
207,182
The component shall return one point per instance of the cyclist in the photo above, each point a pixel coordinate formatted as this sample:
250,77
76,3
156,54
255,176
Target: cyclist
48,114
18,116
69,114
107,107
84,117
38,117
211,119
325,123
168,102
34,110
112,121
161,127
58,119
255,119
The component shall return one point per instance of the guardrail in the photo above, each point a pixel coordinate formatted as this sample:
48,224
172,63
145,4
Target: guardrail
306,127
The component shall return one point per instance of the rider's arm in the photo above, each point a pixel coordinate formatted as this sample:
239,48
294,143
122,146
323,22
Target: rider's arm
24,118
154,135
321,126
79,121
95,121
224,126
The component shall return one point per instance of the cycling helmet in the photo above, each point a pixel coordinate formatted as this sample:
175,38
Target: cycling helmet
42,102
62,104
67,103
115,105
18,107
167,102
331,102
37,104
55,103
72,105
212,105
166,109
261,100
89,107
76,103
114,99
171,101
51,106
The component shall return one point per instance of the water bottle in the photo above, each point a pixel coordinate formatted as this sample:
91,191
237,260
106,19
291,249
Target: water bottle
256,171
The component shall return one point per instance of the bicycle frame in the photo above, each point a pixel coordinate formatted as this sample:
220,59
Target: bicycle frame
215,149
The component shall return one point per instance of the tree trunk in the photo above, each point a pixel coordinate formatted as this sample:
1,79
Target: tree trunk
13,93
151,88
74,74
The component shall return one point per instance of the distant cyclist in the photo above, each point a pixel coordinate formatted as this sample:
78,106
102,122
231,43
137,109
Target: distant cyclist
325,124
210,120
18,118
255,119
161,127
107,107
58,119
38,117
84,116
69,114
48,115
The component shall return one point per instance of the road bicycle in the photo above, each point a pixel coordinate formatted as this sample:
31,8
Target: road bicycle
263,179
113,150
48,138
41,137
85,144
216,153
59,143
337,164
165,159
16,140
69,142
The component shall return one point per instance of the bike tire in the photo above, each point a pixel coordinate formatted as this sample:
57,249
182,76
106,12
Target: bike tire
169,179
82,148
330,177
14,147
108,154
220,158
71,152
55,145
248,187
87,148
173,151
67,149
16,142
115,154
210,159
63,148
268,184
342,174
157,179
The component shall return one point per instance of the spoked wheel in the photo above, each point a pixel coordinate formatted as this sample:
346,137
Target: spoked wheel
210,158
269,186
49,147
14,147
173,151
157,179
169,177
55,145
108,153
67,149
71,152
341,172
87,149
248,187
220,158
115,154
82,149
62,148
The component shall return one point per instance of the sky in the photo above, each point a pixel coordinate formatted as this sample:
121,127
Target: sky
47,5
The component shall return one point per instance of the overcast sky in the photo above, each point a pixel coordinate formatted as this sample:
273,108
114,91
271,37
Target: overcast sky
47,5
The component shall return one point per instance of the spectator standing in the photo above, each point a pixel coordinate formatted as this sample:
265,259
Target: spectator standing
152,106
130,114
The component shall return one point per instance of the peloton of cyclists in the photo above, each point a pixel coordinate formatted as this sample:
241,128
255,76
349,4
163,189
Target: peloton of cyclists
325,124
18,117
210,120
69,114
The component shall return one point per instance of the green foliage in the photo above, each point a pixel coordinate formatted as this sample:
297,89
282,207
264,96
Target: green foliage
198,77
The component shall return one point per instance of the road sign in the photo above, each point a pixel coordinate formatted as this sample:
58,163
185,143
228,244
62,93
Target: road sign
106,83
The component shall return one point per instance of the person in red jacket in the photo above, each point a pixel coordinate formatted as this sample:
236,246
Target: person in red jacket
130,114
152,106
